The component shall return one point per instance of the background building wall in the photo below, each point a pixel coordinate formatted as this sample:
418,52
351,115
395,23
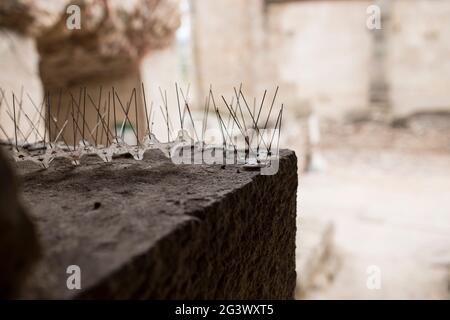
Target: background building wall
321,50
419,51
227,35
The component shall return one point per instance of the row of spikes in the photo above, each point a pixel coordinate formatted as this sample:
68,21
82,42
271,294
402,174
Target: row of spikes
52,146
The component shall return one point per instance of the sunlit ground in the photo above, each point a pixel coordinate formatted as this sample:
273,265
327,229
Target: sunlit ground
387,193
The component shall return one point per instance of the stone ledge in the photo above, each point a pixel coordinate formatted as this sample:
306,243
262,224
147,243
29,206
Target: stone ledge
153,230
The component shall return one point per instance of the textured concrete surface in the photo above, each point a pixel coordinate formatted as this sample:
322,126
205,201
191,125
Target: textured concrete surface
151,229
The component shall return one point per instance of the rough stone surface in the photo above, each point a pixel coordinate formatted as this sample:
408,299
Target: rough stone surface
18,242
151,229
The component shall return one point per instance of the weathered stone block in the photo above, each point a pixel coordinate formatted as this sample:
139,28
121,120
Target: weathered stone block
153,230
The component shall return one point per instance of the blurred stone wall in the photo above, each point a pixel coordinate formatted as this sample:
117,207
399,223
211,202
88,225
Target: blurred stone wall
19,65
321,52
228,49
418,56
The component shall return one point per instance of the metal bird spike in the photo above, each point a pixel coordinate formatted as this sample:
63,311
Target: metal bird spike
92,133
